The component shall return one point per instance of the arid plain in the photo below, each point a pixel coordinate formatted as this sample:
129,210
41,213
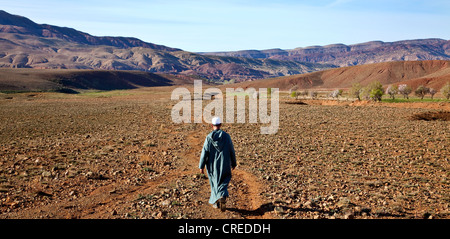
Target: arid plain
117,154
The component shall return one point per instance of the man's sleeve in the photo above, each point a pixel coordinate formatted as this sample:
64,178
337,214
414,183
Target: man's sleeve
205,155
232,154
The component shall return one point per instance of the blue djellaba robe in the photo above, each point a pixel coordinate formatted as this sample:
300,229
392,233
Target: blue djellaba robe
219,158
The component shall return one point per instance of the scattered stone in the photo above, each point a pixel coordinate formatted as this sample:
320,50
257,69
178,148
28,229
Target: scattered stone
44,194
349,215
308,204
279,210
165,203
343,202
46,174
161,214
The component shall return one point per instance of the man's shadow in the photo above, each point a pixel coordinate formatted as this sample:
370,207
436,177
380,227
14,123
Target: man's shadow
268,207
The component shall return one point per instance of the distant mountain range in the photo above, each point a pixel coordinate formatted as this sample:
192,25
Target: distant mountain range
26,44
358,54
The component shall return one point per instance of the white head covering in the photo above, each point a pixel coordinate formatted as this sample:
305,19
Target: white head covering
216,121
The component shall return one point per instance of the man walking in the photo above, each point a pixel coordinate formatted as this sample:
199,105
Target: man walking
219,158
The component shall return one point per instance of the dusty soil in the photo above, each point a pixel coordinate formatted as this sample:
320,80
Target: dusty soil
119,156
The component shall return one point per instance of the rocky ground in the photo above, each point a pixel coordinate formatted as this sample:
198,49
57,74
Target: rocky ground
117,155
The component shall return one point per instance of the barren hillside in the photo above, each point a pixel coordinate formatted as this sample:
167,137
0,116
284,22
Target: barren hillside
429,73
17,80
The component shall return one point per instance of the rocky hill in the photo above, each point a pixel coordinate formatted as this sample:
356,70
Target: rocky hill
20,25
358,54
26,44
433,74
72,81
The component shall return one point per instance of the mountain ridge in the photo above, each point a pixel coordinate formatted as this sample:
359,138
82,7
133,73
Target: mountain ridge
355,54
26,44
22,25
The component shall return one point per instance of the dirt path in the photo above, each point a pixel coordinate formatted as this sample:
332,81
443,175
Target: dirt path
249,202
244,201
244,189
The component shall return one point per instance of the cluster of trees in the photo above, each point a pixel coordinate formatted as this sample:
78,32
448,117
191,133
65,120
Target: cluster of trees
405,90
295,94
375,91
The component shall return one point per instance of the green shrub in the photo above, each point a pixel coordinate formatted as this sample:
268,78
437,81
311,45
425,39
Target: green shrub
445,90
374,91
294,94
355,91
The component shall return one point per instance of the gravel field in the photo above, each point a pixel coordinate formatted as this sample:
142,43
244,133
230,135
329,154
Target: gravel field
118,155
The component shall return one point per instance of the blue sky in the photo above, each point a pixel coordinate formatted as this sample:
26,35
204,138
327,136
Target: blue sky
213,25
